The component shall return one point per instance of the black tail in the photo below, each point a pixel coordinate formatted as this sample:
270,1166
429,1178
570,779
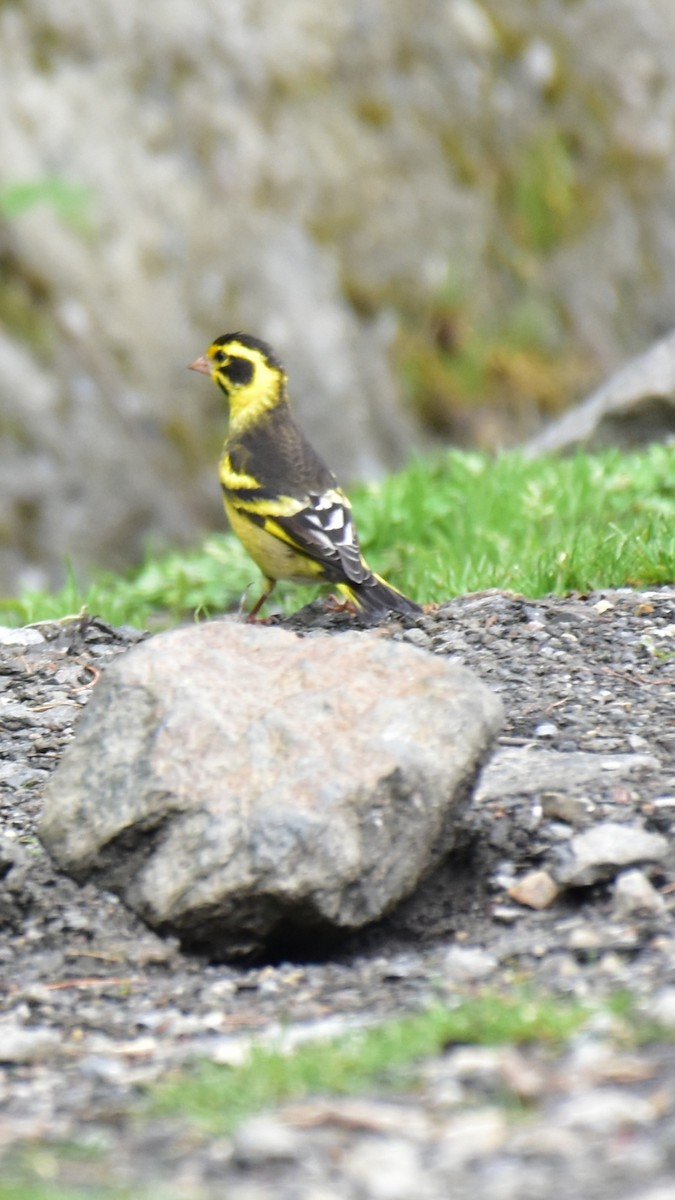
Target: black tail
375,597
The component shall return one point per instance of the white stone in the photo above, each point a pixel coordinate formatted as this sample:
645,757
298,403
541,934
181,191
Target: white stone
635,895
465,963
601,851
25,636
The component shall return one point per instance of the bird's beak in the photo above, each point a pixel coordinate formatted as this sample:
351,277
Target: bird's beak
200,364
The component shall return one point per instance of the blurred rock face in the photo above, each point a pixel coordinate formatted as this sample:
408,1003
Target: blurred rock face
313,174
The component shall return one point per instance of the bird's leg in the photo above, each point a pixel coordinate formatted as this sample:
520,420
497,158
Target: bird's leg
252,618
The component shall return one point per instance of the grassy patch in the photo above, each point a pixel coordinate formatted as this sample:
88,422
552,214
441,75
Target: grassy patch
208,1100
378,1058
454,523
24,1190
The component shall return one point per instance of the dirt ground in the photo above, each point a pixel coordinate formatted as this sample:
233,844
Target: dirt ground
94,1008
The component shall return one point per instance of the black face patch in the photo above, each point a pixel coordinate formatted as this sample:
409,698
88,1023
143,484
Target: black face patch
251,343
239,370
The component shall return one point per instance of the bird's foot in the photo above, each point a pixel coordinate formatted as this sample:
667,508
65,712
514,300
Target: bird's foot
336,604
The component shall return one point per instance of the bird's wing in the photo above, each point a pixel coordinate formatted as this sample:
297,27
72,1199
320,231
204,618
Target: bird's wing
322,528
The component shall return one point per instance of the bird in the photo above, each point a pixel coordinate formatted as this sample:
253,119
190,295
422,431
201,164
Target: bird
282,501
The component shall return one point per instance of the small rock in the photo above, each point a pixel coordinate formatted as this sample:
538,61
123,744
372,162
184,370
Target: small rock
542,1141
469,1136
613,965
416,637
490,1068
229,1052
387,1170
600,852
635,895
506,914
26,636
546,730
661,1007
560,806
664,802
27,1044
605,1111
462,964
515,770
535,890
558,831
521,1076
475,1064
584,938
263,1139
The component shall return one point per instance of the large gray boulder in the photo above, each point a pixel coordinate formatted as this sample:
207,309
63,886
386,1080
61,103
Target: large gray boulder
233,783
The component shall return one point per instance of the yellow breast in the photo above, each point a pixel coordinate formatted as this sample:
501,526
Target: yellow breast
276,559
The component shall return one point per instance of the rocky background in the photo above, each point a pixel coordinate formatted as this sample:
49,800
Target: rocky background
462,210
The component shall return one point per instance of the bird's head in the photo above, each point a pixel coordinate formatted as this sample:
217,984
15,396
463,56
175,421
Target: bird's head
245,368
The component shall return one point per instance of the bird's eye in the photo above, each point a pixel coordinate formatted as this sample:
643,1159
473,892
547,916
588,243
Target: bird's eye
219,358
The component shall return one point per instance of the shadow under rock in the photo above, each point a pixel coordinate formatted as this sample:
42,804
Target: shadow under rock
453,897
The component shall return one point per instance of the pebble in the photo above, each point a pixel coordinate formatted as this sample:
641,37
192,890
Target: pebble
562,806
546,730
481,1064
265,1138
661,1007
27,636
535,890
635,895
27,1044
608,1111
471,1136
585,937
464,964
600,851
385,1174
521,770
507,914
664,802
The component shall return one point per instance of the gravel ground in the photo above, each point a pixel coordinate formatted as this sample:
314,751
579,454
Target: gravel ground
94,1007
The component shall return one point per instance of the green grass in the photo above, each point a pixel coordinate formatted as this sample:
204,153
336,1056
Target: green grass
454,523
380,1058
17,1189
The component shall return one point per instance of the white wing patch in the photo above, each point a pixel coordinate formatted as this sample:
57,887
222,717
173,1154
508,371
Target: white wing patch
335,519
326,528
330,515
